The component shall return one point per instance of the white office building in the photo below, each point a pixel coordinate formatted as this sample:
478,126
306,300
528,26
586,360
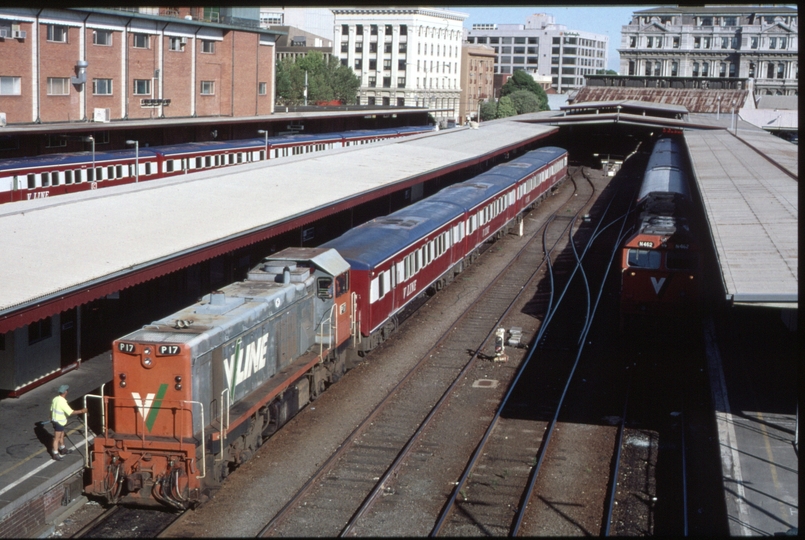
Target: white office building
403,56
543,47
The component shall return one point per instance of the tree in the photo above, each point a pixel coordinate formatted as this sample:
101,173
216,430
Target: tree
522,80
489,110
506,107
327,80
525,101
606,72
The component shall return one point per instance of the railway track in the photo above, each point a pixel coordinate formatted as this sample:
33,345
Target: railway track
351,491
128,522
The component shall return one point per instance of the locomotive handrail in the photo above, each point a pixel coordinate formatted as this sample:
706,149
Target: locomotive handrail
355,319
224,428
181,438
329,322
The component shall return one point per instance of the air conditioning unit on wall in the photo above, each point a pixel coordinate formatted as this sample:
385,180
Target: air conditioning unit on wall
102,115
18,34
2,119
4,32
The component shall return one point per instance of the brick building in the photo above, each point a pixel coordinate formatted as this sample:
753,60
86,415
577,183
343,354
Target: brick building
78,65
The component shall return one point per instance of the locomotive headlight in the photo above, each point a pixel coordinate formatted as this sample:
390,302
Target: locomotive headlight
122,380
147,350
178,386
147,362
178,380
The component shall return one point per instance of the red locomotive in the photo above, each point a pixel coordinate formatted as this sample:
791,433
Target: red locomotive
660,265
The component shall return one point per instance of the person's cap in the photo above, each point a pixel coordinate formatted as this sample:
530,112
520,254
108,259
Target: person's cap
63,388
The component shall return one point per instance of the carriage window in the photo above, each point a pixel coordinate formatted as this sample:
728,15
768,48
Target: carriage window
680,260
198,163
644,258
78,176
119,170
68,177
324,287
45,179
110,172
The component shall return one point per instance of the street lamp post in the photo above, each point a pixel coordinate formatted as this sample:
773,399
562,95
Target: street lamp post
718,111
264,132
136,160
92,140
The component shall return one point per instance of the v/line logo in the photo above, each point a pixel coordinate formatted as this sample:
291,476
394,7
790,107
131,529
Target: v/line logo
149,407
237,368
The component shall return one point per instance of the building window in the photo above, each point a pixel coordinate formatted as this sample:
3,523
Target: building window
729,21
373,47
631,67
657,68
697,43
725,42
770,70
102,87
674,68
648,69
358,47
401,65
773,43
388,29
751,70
386,101
754,43
176,44
400,82
722,69
358,63
40,330
261,88
372,64
142,87
732,69
387,64
102,37
705,69
344,62
358,29
9,86
400,102
706,42
372,82
676,42
370,100
141,41
695,69
57,32
207,88
783,43
207,46
780,71
344,46
373,31
344,29
58,86
403,30
386,82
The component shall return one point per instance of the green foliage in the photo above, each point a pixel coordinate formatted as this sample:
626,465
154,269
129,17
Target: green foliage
506,107
326,80
525,101
522,80
606,72
489,111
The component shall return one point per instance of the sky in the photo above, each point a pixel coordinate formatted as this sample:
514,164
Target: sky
606,20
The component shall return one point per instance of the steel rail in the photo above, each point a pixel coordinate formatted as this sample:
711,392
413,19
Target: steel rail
349,440
481,445
449,391
547,437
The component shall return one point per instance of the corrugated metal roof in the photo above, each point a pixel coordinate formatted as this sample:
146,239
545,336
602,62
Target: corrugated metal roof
627,103
695,100
52,247
752,209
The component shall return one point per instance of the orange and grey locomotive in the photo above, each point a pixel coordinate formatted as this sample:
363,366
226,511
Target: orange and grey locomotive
196,392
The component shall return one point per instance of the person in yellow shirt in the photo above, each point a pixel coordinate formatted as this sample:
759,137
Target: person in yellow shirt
59,412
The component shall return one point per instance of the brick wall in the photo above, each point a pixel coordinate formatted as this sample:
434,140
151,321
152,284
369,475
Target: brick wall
16,55
30,519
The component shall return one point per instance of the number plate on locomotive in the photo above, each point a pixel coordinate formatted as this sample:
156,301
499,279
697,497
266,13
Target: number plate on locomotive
168,350
127,348
645,243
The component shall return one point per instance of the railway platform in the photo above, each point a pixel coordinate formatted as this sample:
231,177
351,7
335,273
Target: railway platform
754,389
35,490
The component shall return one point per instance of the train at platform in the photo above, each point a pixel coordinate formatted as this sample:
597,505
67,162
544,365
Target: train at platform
196,393
660,261
56,174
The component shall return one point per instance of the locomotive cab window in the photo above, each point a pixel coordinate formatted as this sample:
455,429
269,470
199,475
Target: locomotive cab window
644,258
324,287
341,284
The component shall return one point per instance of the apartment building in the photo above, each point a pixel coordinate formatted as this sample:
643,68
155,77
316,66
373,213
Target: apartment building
477,79
722,42
77,65
542,47
403,56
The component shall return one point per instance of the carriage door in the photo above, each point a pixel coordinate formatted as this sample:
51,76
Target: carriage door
343,311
